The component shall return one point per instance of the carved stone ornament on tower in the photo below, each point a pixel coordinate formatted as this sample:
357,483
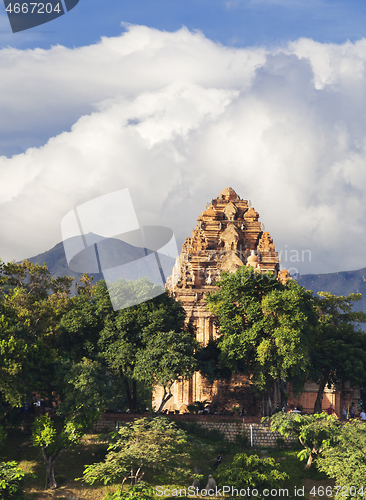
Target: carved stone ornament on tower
228,236
230,211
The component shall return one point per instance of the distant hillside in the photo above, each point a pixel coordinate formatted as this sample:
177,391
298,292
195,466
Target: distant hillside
56,262
111,254
341,283
114,252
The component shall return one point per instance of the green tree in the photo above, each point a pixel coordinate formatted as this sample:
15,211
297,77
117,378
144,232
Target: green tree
92,330
251,473
265,327
85,386
54,438
167,357
210,363
339,349
31,305
37,299
83,377
11,477
18,359
127,332
142,449
85,390
140,491
80,326
315,432
11,481
346,461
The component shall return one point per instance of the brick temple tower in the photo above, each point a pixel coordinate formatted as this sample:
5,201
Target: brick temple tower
228,235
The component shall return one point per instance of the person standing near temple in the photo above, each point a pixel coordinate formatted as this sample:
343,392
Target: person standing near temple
352,411
344,411
218,462
330,410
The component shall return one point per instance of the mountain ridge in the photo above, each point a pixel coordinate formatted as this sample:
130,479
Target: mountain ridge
338,283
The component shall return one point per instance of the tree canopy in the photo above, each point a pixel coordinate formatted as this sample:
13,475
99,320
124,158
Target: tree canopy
134,337
315,432
338,349
47,336
168,356
265,327
140,448
55,437
346,462
32,302
253,474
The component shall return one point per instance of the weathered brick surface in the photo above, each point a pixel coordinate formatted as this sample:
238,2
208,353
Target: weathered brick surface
261,434
230,428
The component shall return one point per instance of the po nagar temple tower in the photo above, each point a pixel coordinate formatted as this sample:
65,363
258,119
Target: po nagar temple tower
228,235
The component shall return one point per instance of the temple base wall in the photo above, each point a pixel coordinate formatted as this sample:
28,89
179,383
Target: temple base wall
262,437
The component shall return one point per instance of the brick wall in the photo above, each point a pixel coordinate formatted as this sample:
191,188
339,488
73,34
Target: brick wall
262,435
230,430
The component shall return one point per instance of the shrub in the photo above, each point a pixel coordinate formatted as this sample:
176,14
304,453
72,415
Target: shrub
151,448
200,432
193,408
242,440
315,432
139,492
280,442
11,479
346,461
251,472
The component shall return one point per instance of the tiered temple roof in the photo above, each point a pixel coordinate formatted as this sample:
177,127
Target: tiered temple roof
227,236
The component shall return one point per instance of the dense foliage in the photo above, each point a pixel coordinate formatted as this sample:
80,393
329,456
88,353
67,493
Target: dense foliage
253,474
143,448
277,333
265,328
168,357
131,339
32,302
315,432
338,350
81,355
50,342
84,357
11,481
346,462
54,438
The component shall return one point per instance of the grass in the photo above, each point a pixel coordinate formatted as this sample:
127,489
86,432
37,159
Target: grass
68,467
206,447
299,476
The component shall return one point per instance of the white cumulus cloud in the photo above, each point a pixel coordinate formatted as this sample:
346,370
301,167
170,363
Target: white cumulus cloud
176,118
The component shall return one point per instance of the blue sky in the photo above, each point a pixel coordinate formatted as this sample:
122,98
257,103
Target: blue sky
175,101
231,22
